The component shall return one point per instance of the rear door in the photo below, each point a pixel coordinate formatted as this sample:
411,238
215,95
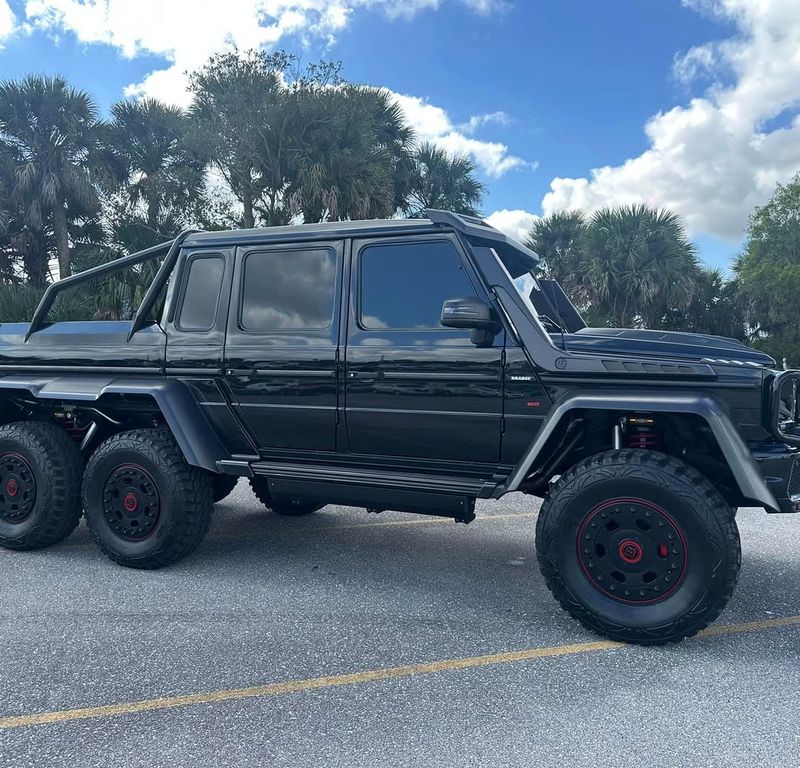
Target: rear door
282,348
414,388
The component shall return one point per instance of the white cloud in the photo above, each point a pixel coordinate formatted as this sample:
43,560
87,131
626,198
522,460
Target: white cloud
715,158
433,124
516,224
409,8
478,121
7,21
186,32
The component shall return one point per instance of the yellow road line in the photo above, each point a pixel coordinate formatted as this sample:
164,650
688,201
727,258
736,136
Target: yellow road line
356,678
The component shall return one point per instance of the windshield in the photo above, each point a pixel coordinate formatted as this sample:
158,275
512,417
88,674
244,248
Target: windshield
521,270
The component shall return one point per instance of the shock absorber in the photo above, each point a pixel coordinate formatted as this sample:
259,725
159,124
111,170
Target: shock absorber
640,433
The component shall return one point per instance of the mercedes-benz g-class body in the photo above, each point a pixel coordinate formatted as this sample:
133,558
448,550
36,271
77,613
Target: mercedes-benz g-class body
412,365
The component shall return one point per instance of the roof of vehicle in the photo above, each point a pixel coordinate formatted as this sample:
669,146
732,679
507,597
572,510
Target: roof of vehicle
470,226
327,229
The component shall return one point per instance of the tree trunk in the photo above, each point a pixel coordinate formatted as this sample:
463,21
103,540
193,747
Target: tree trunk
62,240
152,214
247,202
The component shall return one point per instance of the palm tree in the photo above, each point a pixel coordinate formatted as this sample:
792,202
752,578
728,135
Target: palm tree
349,143
235,101
148,151
48,129
716,308
638,264
441,181
557,241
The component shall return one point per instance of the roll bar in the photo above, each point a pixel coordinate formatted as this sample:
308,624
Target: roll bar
171,247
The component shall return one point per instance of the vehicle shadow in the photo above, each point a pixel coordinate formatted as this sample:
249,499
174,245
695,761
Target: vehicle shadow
395,565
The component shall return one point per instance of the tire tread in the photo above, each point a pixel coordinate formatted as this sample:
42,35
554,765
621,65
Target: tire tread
707,503
58,450
193,489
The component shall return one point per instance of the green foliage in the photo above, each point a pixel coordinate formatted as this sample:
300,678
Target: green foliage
47,135
638,264
768,272
438,180
349,142
716,308
264,142
155,176
293,142
557,240
240,125
18,302
629,266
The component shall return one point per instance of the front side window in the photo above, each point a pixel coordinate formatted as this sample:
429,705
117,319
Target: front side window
201,295
290,290
404,285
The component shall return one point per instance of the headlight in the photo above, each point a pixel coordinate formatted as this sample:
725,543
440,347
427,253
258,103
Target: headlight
786,406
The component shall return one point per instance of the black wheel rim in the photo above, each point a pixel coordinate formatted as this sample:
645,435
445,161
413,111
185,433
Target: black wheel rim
131,502
632,551
17,488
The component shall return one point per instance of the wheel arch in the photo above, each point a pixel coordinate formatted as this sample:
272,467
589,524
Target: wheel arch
199,443
734,451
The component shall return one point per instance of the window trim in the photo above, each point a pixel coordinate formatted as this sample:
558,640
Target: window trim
186,275
325,330
394,244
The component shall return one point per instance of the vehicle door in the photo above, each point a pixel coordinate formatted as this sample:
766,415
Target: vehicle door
282,347
194,319
414,388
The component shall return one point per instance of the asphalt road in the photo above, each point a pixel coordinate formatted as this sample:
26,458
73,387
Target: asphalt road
284,628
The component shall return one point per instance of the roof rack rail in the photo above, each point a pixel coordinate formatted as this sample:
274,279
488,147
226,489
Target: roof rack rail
477,229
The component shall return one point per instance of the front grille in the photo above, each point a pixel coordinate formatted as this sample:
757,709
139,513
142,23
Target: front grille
794,480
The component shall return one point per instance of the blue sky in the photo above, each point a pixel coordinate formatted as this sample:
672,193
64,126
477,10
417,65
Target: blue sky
690,104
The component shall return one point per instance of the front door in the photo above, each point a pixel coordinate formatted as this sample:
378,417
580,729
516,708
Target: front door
414,388
282,348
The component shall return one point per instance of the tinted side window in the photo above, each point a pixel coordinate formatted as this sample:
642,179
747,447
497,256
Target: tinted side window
201,294
288,290
403,286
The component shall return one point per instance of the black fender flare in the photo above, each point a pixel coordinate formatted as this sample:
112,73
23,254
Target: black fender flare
740,460
197,440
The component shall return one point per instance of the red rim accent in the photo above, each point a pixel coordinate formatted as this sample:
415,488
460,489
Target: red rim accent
631,551
17,488
599,508
131,502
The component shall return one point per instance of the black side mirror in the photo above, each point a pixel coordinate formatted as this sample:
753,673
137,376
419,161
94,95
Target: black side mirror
473,314
468,313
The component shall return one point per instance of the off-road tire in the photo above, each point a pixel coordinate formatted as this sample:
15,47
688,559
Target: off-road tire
575,515
222,486
49,466
181,493
294,508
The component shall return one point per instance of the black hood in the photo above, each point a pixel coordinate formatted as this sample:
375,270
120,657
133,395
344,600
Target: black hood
662,344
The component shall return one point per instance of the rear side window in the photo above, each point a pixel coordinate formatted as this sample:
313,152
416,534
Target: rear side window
404,285
198,310
290,290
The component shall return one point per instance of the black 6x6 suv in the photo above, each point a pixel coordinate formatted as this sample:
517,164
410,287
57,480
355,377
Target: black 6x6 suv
408,365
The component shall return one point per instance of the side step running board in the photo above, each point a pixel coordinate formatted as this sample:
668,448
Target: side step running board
448,484
444,495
